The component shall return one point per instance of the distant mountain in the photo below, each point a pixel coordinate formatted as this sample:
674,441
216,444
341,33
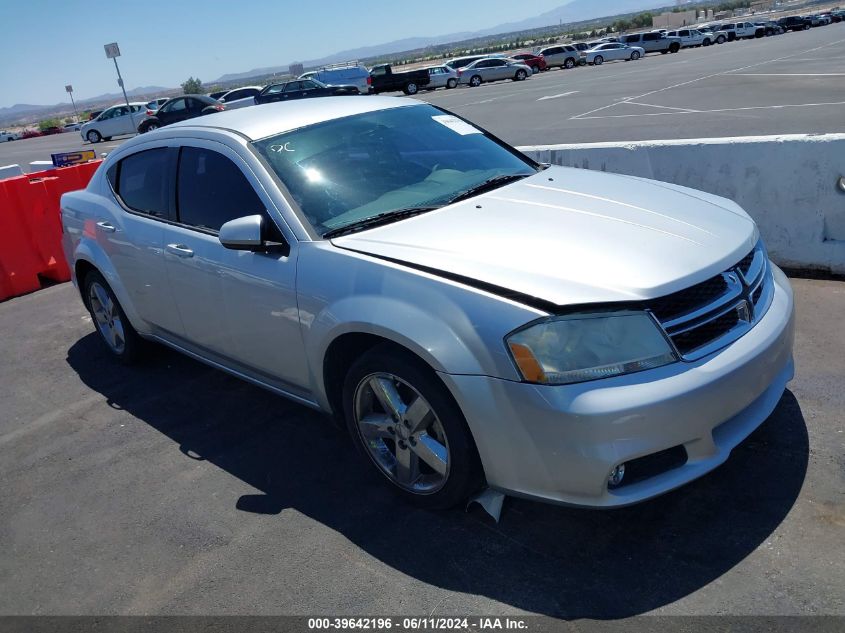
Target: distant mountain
28,111
572,11
407,44
577,11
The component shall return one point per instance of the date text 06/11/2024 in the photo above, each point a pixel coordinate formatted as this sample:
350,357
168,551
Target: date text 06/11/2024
418,624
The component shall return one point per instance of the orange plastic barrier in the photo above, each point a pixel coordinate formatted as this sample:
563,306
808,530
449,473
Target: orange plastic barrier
30,227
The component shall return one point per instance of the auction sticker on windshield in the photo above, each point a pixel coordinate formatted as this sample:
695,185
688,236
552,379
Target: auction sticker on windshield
455,124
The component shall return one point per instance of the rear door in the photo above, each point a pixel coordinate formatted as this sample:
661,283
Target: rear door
194,107
133,235
176,110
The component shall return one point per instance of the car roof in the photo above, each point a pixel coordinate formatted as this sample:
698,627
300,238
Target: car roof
270,119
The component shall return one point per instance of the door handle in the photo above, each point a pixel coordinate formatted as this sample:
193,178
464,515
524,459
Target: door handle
180,250
107,227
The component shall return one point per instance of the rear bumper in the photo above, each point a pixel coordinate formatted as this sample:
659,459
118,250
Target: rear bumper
559,443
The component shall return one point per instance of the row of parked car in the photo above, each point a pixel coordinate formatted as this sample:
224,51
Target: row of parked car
352,78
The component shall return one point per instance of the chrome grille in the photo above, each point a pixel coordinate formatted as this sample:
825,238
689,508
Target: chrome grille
711,315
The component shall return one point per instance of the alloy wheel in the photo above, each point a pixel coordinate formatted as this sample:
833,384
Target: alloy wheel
107,317
401,433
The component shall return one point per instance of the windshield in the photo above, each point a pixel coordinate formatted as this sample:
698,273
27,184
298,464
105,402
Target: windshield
347,170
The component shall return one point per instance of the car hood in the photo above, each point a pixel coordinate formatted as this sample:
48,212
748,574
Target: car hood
572,236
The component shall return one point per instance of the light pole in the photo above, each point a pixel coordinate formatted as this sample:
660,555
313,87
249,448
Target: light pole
69,90
113,52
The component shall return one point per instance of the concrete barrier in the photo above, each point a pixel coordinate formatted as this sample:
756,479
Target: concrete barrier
789,184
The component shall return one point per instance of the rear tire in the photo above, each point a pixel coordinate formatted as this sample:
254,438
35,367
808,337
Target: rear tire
569,64
520,75
674,48
598,60
720,39
535,69
411,88
635,56
451,84
442,468
475,81
93,136
115,330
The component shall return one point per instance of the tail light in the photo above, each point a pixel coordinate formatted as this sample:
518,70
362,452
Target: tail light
369,80
220,107
150,112
460,72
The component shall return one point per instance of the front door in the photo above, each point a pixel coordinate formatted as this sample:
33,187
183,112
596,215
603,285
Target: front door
236,306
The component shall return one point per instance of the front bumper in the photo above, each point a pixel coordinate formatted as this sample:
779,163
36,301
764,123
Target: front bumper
559,443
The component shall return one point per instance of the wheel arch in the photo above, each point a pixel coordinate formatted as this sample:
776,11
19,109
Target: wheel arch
87,259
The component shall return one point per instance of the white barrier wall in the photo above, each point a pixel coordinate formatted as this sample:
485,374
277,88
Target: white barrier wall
8,171
788,184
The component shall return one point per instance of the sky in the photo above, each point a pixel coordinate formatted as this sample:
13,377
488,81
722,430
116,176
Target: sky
47,44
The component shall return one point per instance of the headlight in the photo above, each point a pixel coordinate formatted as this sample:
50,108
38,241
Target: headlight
563,350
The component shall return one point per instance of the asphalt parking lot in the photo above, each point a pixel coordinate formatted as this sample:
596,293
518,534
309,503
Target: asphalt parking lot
788,84
791,83
170,487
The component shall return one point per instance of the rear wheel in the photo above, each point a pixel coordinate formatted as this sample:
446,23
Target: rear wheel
674,48
411,88
706,43
406,423
520,75
569,64
93,136
599,60
635,56
148,127
535,69
720,39
475,81
451,84
114,328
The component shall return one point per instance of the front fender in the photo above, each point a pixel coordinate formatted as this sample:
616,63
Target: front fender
455,329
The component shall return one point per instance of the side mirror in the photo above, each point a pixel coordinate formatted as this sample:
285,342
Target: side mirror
247,234
243,234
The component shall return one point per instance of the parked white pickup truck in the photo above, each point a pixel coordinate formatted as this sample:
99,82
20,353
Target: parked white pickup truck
739,30
8,136
693,37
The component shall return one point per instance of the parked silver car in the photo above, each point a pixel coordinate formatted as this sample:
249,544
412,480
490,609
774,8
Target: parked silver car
612,51
493,69
442,77
475,318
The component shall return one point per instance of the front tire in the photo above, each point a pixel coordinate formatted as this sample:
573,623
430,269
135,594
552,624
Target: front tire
520,75
406,424
475,81
635,56
115,330
599,60
451,84
93,136
535,69
720,39
569,64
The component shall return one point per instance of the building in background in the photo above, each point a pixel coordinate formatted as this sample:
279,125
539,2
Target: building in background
673,20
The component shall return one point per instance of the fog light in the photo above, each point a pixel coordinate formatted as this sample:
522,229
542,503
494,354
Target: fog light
616,476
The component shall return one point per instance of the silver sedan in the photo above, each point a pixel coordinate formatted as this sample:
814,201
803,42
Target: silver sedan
476,319
493,69
442,77
612,51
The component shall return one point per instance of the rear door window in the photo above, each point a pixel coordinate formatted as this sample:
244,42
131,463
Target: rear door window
143,182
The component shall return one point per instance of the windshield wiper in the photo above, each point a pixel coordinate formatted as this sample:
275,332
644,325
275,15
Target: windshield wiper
378,220
488,185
